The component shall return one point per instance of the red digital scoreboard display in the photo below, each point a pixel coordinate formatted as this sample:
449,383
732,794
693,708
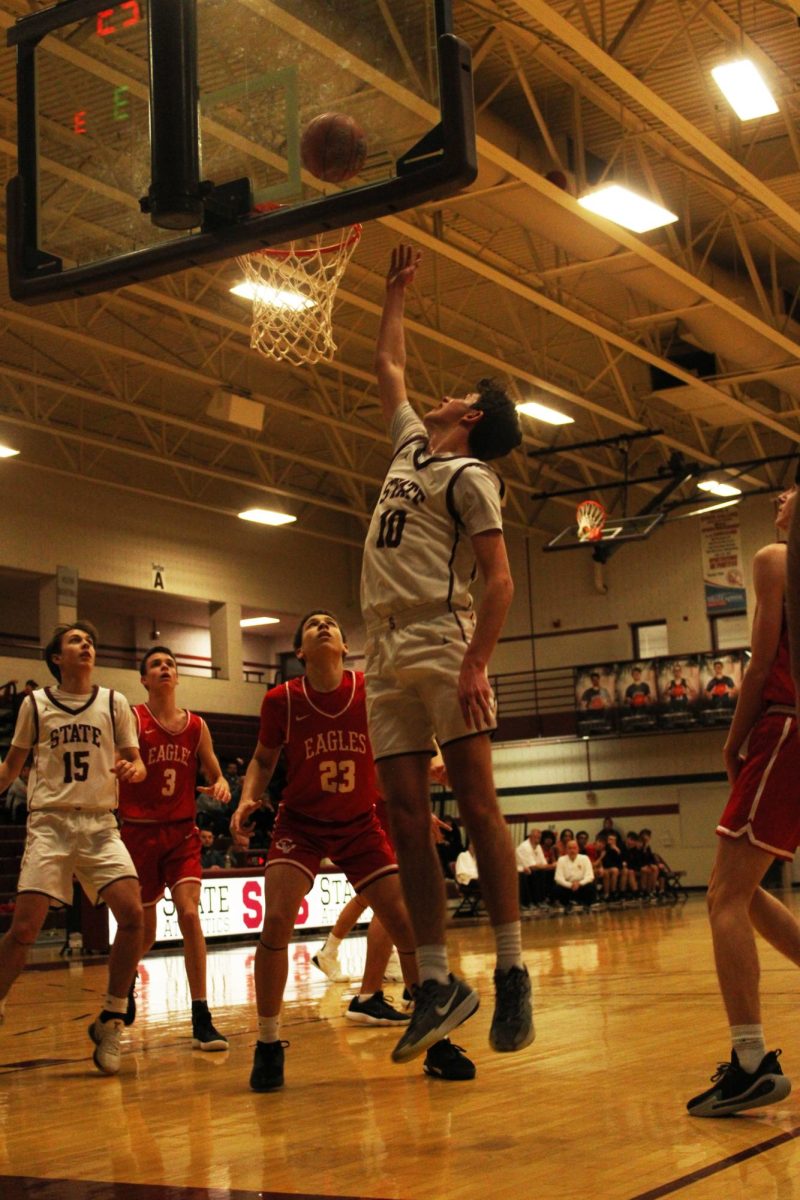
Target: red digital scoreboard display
109,23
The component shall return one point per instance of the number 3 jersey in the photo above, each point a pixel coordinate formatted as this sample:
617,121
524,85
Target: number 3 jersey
418,549
330,769
169,791
74,741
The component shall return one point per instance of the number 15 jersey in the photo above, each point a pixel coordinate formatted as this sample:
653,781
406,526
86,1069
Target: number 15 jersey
330,769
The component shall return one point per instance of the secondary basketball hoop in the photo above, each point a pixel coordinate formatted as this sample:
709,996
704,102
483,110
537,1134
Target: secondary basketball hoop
591,518
292,290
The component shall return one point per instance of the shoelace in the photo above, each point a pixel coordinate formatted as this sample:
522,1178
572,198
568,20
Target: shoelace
510,994
425,996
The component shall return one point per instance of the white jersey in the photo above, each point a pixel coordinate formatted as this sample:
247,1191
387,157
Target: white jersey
418,550
74,741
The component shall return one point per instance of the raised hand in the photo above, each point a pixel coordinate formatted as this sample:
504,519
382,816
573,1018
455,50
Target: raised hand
403,266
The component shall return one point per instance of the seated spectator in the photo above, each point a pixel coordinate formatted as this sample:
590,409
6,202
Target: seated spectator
612,865
467,870
448,846
610,827
564,838
211,814
591,849
550,853
653,865
632,855
210,859
532,871
575,879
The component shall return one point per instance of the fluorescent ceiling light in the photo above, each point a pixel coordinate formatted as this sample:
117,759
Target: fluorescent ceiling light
718,489
745,90
251,622
624,207
696,512
273,297
7,452
266,516
531,408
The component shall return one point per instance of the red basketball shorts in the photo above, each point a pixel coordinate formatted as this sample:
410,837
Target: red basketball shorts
359,848
164,855
764,805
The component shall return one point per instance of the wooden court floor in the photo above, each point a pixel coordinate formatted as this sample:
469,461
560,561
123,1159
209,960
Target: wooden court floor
629,1026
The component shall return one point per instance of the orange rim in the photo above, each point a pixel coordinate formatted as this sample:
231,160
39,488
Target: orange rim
352,238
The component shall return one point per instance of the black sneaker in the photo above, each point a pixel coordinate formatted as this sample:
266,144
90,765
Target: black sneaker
375,1011
444,1060
438,1008
267,1072
204,1035
130,1012
512,1023
734,1089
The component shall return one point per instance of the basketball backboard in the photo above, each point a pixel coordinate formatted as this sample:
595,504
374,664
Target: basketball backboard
193,111
615,531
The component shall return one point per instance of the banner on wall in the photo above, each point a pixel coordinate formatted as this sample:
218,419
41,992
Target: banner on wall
234,904
723,578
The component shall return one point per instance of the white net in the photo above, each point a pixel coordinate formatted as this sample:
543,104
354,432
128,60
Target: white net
591,517
292,291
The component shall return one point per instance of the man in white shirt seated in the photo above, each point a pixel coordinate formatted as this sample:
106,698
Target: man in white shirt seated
532,871
467,869
575,879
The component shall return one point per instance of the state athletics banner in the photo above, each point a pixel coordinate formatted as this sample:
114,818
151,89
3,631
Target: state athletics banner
722,563
234,904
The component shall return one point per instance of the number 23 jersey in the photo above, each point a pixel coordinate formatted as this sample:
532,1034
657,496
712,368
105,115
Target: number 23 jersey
168,792
330,769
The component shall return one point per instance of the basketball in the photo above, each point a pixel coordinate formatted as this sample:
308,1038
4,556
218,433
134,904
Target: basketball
333,147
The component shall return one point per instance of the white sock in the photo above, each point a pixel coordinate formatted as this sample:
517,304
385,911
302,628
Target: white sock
508,940
748,1042
269,1029
332,944
432,963
115,1004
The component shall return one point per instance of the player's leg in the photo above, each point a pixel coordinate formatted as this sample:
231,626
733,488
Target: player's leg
30,913
753,1076
186,898
469,767
404,781
123,898
327,958
285,885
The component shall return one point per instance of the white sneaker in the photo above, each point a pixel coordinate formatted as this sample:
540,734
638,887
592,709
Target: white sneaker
394,971
328,963
107,1037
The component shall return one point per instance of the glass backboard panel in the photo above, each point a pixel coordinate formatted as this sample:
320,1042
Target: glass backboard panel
265,70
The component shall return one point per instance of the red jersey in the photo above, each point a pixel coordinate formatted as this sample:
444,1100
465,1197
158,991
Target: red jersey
168,792
779,688
330,769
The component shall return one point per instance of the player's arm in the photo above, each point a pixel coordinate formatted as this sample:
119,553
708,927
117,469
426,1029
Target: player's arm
390,351
793,601
474,693
217,785
129,766
259,772
11,766
769,580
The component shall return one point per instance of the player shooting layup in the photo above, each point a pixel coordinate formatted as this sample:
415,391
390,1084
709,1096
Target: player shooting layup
436,520
158,822
761,822
83,740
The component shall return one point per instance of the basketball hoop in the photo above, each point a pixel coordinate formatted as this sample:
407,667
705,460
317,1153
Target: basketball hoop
292,291
591,518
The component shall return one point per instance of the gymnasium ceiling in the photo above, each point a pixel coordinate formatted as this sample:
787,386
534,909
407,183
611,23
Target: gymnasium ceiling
517,280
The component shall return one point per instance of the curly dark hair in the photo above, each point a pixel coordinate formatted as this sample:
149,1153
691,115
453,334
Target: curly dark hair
499,431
